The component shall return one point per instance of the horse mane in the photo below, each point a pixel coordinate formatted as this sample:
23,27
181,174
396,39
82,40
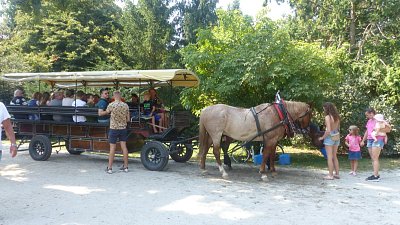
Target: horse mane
296,108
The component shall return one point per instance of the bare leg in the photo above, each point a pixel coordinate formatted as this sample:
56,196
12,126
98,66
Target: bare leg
335,160
329,153
153,122
355,166
352,165
125,153
376,151
111,155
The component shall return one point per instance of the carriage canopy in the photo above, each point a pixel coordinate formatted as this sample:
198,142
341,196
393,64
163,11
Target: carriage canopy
173,77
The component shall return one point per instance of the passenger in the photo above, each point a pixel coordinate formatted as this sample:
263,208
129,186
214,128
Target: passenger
34,102
45,101
80,95
118,130
102,106
96,98
158,104
134,106
67,101
19,100
57,101
149,111
90,103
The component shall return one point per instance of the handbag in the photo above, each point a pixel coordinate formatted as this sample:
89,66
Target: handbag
335,136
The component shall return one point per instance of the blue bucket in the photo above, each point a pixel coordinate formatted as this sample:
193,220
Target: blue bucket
284,159
257,159
323,152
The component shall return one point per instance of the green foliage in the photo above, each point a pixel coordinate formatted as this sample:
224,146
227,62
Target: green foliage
244,65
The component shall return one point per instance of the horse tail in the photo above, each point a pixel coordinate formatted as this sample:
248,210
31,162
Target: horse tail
203,138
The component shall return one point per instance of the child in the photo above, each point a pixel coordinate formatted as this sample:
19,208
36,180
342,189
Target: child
149,111
379,129
353,141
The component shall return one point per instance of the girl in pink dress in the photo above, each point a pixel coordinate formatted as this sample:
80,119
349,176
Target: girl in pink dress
353,141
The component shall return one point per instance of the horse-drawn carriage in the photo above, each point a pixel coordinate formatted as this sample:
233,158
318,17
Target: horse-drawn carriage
45,135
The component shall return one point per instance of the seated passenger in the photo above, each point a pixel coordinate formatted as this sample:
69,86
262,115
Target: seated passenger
67,101
57,101
19,100
34,102
90,103
134,106
149,111
80,95
45,101
104,117
158,104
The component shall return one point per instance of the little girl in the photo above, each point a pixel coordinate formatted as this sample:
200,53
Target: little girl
353,141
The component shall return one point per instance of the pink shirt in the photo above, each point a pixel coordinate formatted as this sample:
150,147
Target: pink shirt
354,142
370,127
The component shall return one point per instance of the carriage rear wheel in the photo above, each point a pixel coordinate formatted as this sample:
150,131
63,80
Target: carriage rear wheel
40,148
181,152
154,156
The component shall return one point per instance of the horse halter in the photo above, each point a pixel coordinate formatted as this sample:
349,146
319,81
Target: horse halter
297,125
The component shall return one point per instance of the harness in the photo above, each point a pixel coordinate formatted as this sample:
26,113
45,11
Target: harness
285,119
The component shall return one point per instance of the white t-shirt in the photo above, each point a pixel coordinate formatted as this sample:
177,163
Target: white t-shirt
3,116
79,103
67,101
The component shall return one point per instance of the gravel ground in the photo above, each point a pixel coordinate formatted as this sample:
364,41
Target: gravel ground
69,189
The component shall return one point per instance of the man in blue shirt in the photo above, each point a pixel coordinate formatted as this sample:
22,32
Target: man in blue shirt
102,106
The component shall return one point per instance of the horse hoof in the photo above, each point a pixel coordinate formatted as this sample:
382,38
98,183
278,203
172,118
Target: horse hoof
204,172
274,174
264,178
225,176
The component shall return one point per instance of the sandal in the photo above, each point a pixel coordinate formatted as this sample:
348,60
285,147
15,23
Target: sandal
336,176
328,178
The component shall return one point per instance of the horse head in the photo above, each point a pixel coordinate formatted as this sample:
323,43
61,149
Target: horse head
315,133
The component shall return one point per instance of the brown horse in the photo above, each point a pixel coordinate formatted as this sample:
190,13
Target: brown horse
240,124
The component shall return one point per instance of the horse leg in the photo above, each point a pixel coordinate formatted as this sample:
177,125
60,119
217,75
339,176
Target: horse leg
225,147
272,160
203,156
217,154
265,153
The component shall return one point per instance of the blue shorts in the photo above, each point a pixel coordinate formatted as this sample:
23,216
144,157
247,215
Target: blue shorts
156,116
329,142
113,135
369,143
378,144
354,155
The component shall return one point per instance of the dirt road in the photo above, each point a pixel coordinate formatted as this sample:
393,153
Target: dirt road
71,189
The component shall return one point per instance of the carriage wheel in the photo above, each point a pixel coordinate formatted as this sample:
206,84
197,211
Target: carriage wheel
40,148
154,156
181,152
241,155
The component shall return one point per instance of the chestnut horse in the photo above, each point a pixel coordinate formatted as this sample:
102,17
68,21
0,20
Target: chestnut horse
240,124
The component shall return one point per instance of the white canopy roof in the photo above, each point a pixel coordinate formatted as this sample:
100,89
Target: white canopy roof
174,77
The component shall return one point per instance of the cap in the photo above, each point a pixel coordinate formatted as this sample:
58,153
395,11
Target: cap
379,117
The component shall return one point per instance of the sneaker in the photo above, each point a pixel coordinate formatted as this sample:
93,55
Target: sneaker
351,173
354,173
373,178
109,170
123,169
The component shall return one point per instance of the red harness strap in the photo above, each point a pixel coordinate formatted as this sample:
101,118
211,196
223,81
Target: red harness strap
281,115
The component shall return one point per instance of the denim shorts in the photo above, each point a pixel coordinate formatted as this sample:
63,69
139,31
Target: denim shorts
354,155
378,144
114,135
369,143
329,142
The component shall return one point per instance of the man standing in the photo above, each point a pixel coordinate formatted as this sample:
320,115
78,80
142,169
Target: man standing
119,120
102,106
6,123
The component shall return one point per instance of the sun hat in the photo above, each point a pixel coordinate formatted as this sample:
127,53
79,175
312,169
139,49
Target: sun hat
379,117
353,127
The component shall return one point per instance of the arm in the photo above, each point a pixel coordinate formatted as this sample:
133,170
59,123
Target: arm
102,112
128,118
346,142
10,134
153,110
328,128
364,138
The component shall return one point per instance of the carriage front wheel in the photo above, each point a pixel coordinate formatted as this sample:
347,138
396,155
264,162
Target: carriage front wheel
40,148
181,152
154,156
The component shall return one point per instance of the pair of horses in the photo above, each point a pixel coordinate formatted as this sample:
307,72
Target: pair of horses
261,123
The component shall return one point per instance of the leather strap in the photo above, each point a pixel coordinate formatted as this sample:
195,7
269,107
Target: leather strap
253,111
